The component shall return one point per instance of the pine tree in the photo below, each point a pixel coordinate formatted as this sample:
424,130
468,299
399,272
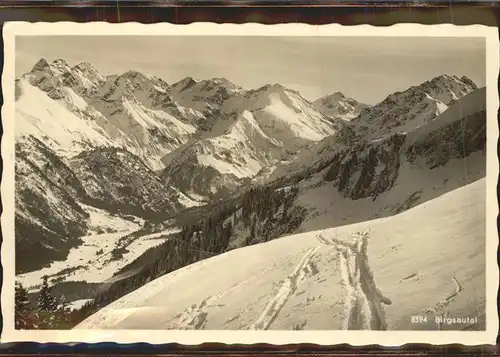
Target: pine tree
21,298
252,229
63,305
46,302
22,308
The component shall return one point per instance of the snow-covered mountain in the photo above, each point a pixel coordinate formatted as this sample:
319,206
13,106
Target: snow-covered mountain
111,132
361,276
54,198
205,96
379,180
129,178
260,129
414,107
395,172
338,105
132,111
399,113
219,164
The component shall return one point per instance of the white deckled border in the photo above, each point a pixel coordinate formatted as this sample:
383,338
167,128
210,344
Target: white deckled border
356,338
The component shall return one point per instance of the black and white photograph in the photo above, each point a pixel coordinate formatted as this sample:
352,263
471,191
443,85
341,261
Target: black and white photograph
250,183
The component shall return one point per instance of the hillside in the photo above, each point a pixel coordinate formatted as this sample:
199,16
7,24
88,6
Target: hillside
49,220
308,282
119,181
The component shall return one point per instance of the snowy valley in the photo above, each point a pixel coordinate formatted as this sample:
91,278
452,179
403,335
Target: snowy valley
129,188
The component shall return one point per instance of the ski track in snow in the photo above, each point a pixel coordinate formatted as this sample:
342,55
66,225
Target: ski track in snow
363,300
440,307
195,317
288,287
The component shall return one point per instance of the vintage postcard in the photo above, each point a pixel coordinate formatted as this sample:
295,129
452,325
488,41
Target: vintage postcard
250,183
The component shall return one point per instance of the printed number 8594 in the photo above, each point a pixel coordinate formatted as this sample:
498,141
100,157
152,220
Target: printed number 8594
418,319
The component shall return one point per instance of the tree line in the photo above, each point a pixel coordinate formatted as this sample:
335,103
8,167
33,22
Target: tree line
47,312
260,214
205,238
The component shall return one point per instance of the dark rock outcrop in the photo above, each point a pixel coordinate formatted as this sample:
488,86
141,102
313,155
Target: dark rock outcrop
48,219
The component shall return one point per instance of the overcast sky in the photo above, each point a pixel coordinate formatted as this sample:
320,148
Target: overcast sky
367,69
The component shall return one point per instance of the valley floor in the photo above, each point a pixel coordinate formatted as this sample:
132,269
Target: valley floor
425,262
102,254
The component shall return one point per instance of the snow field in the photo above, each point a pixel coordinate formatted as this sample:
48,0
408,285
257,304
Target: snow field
297,281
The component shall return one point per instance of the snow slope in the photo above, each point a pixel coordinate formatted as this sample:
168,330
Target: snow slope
220,162
249,147
135,104
388,176
131,110
286,116
250,132
331,279
50,121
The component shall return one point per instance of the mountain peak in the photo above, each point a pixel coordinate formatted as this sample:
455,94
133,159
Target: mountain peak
219,80
60,65
85,66
184,84
132,74
59,62
338,94
468,81
275,86
413,107
271,87
335,96
452,78
41,65
339,105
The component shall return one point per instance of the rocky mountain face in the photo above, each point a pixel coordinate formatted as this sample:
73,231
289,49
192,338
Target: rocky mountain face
369,170
206,96
338,105
51,195
400,112
49,220
119,181
414,107
218,165
259,129
400,170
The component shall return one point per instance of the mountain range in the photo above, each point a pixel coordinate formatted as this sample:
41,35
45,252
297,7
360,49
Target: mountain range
150,168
